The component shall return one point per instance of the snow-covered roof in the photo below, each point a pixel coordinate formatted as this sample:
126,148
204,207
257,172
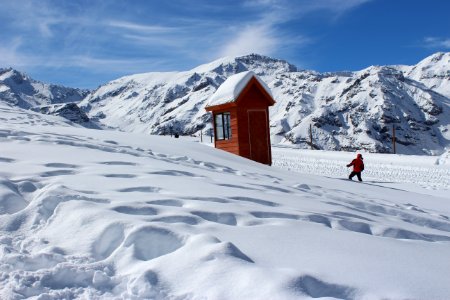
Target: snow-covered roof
230,90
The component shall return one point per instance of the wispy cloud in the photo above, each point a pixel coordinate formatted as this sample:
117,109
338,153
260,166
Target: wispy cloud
265,34
437,42
334,6
32,17
288,9
114,37
9,55
253,38
140,28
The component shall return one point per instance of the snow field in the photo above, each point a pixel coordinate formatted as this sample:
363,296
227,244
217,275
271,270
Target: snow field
90,214
429,172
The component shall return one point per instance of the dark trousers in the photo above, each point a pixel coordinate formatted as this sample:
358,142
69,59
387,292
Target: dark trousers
352,174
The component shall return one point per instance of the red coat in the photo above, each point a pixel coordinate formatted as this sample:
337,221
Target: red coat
357,163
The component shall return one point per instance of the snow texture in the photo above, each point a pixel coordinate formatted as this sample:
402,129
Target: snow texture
97,214
230,90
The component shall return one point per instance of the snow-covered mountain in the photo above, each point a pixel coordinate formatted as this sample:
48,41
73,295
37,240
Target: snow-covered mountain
348,110
18,89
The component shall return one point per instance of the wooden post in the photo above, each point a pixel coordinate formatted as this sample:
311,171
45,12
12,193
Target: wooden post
201,136
310,136
211,134
393,139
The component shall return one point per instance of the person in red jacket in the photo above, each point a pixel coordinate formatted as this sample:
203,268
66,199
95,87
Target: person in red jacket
358,167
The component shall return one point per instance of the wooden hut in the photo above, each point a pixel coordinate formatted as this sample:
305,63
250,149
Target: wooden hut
240,109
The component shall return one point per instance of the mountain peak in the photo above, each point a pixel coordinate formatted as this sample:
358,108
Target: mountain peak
260,64
254,58
17,88
438,58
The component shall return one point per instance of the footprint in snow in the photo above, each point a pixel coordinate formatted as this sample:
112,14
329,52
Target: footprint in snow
273,215
316,288
57,173
108,241
403,234
142,189
167,202
178,219
270,188
359,227
302,187
207,199
61,165
152,242
237,186
318,219
119,176
118,163
136,210
7,160
221,218
11,199
175,173
254,200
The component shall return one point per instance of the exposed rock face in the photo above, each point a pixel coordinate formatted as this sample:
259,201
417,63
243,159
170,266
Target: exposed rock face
69,111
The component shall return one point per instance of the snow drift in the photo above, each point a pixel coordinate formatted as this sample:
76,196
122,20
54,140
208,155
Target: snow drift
91,214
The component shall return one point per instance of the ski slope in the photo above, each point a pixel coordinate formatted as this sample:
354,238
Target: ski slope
417,172
91,214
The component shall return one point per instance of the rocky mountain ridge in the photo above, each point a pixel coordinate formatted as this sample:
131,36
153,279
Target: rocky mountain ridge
347,110
19,90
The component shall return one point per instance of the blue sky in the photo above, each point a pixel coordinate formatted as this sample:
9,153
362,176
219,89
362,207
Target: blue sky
85,43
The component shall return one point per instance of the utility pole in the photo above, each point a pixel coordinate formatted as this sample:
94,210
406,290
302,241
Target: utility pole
310,136
393,139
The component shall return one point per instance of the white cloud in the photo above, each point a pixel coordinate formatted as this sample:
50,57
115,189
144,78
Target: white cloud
252,39
436,42
266,36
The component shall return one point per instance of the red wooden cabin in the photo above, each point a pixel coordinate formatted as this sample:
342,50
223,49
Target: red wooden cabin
240,109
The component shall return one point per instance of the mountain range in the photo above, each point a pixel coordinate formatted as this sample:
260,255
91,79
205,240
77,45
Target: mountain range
346,110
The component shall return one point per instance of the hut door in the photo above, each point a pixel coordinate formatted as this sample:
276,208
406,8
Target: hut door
258,133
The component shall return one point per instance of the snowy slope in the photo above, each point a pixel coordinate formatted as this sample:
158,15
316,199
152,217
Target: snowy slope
91,214
348,110
20,90
433,72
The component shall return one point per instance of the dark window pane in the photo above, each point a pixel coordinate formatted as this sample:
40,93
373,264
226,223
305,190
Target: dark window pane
227,125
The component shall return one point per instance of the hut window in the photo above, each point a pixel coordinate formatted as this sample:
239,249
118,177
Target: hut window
223,127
